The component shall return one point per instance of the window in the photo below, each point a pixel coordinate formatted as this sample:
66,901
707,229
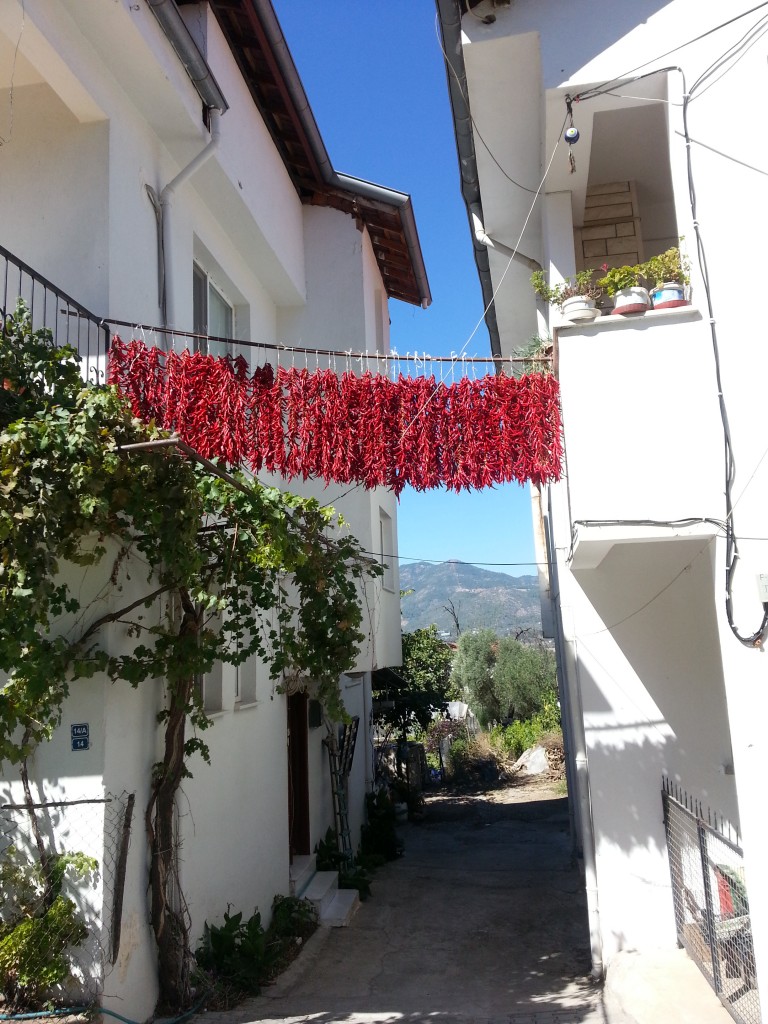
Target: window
386,555
209,687
212,314
246,678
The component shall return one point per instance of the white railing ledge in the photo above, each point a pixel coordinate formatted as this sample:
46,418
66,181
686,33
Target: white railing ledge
617,321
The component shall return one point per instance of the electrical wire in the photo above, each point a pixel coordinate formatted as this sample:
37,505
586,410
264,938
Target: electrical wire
444,561
754,639
724,63
726,156
589,93
475,127
455,358
732,55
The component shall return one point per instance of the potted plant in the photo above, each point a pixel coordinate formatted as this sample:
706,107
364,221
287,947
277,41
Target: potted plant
574,297
623,284
667,275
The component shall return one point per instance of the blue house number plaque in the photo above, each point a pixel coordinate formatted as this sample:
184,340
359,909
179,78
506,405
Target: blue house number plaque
80,736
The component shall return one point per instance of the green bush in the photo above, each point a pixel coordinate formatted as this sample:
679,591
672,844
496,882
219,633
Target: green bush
32,952
459,756
512,739
352,873
39,925
239,956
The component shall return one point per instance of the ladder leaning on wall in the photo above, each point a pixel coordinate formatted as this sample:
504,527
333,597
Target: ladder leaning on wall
341,752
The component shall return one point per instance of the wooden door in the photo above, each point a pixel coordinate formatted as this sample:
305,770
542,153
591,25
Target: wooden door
298,775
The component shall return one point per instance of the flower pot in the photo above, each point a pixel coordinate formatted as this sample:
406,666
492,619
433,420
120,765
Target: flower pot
668,295
579,308
631,300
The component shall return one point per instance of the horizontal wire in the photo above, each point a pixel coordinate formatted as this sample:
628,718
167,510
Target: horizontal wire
393,356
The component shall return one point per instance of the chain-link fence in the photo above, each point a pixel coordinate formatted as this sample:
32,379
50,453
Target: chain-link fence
711,904
62,873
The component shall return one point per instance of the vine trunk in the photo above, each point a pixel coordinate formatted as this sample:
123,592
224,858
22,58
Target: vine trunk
168,921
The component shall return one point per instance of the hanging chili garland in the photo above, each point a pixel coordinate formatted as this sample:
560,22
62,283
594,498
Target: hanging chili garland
363,429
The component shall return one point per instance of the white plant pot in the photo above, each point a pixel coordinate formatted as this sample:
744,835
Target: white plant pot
668,295
631,300
579,309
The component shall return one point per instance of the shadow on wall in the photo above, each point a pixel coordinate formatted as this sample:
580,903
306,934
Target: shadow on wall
652,684
582,33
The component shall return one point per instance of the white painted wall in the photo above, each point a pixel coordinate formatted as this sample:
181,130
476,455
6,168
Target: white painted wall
665,684
94,124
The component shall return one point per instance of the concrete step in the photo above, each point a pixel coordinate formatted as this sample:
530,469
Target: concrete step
302,872
341,909
321,890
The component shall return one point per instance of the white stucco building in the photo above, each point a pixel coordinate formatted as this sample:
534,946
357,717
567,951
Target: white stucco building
660,637
103,106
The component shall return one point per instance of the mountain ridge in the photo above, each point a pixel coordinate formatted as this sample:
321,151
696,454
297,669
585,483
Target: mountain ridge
482,598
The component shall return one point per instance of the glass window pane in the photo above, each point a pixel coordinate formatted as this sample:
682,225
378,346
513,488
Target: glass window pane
219,321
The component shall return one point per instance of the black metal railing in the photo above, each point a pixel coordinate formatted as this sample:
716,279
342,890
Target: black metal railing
710,899
69,322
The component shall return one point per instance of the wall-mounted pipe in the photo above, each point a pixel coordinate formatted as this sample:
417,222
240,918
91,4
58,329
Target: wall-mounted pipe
162,205
579,797
491,243
201,77
195,64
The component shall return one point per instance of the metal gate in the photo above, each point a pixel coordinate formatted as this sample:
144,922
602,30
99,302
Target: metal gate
711,903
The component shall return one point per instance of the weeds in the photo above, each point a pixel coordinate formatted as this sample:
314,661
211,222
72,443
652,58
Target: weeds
236,958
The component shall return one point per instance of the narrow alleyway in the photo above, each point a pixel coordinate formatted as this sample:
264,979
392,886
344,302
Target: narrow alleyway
483,919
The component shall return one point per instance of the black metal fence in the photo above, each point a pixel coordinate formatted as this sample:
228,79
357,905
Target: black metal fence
711,903
68,321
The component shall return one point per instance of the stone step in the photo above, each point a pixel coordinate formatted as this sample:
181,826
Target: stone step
301,874
341,909
321,890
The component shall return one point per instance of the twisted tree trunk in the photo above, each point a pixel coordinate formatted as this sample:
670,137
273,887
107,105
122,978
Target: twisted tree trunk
168,922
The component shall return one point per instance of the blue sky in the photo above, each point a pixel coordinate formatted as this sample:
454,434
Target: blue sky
375,78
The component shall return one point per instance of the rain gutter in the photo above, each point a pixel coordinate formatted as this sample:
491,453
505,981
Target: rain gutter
343,182
201,77
195,64
449,15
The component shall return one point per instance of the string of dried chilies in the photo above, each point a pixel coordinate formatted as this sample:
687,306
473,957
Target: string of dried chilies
363,429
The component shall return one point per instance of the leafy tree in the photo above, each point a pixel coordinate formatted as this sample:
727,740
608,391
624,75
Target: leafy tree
426,670
502,678
525,677
472,679
223,567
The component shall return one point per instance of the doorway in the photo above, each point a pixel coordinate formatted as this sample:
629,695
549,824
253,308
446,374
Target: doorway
298,776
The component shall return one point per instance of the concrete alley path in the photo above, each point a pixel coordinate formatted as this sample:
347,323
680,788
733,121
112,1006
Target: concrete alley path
483,919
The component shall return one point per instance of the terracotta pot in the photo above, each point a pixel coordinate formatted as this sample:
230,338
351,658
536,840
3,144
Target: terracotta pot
579,308
631,300
668,295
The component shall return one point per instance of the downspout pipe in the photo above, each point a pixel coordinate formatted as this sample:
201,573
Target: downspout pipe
580,763
485,239
165,203
200,75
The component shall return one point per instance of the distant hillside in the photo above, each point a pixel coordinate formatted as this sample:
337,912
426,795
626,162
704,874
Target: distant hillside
482,599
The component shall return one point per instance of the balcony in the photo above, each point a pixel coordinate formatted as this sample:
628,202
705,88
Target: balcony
643,436
68,321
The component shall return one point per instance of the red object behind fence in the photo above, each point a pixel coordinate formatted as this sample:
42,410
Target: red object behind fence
343,429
